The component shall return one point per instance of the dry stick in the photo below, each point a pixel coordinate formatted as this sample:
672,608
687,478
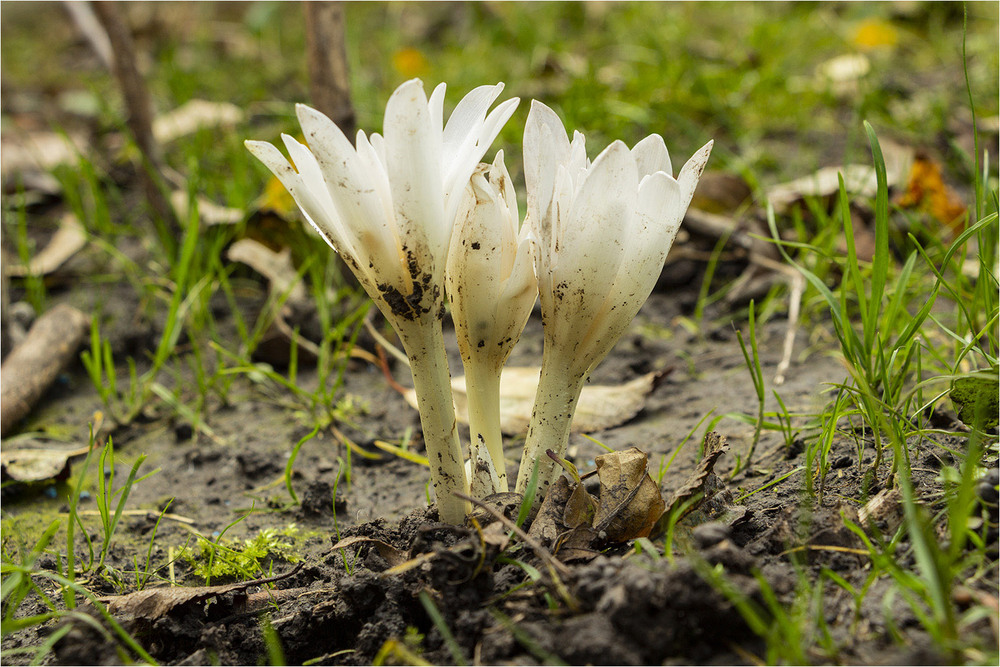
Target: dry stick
329,82
798,285
32,366
539,550
86,22
140,114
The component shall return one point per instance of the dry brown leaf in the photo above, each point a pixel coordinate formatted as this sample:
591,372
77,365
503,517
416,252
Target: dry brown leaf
927,191
580,508
630,501
391,554
153,603
69,239
38,464
275,266
547,524
193,116
600,406
696,485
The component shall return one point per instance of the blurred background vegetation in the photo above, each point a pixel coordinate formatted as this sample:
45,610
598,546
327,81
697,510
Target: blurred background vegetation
781,87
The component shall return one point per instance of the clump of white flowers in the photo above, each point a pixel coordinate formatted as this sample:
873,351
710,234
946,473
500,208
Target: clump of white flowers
418,219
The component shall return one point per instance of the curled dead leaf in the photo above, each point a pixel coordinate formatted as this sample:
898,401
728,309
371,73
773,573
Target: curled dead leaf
24,464
698,488
192,116
391,554
630,501
69,239
859,179
151,604
927,191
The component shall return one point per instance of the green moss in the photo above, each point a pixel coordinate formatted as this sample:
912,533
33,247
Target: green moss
235,559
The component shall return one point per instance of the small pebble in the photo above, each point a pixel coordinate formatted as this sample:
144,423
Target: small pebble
841,462
988,493
709,534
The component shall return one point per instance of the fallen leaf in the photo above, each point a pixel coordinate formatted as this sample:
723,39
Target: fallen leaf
697,487
277,199
630,501
38,151
192,116
33,464
580,508
886,508
275,266
547,524
600,407
69,239
927,191
389,553
153,603
859,179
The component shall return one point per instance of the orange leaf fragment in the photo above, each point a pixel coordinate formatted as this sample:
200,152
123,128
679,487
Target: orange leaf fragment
927,191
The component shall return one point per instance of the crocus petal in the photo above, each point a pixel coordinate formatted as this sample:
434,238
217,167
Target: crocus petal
651,156
311,207
312,178
413,161
691,173
472,151
350,186
545,146
435,103
468,115
592,241
657,219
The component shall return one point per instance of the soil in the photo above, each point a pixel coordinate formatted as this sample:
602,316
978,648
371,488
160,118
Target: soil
500,601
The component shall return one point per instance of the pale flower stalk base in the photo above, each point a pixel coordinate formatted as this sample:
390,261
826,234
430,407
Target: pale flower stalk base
551,418
424,346
484,430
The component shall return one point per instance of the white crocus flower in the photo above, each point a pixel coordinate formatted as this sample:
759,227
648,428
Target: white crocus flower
388,207
603,233
491,287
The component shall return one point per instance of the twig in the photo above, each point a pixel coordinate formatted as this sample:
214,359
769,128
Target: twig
32,366
539,550
329,82
86,22
381,340
797,285
140,115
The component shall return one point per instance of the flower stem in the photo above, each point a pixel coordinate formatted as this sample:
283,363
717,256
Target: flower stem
483,385
555,404
424,345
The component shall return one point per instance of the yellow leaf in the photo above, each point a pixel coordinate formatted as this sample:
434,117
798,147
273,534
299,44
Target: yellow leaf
927,191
